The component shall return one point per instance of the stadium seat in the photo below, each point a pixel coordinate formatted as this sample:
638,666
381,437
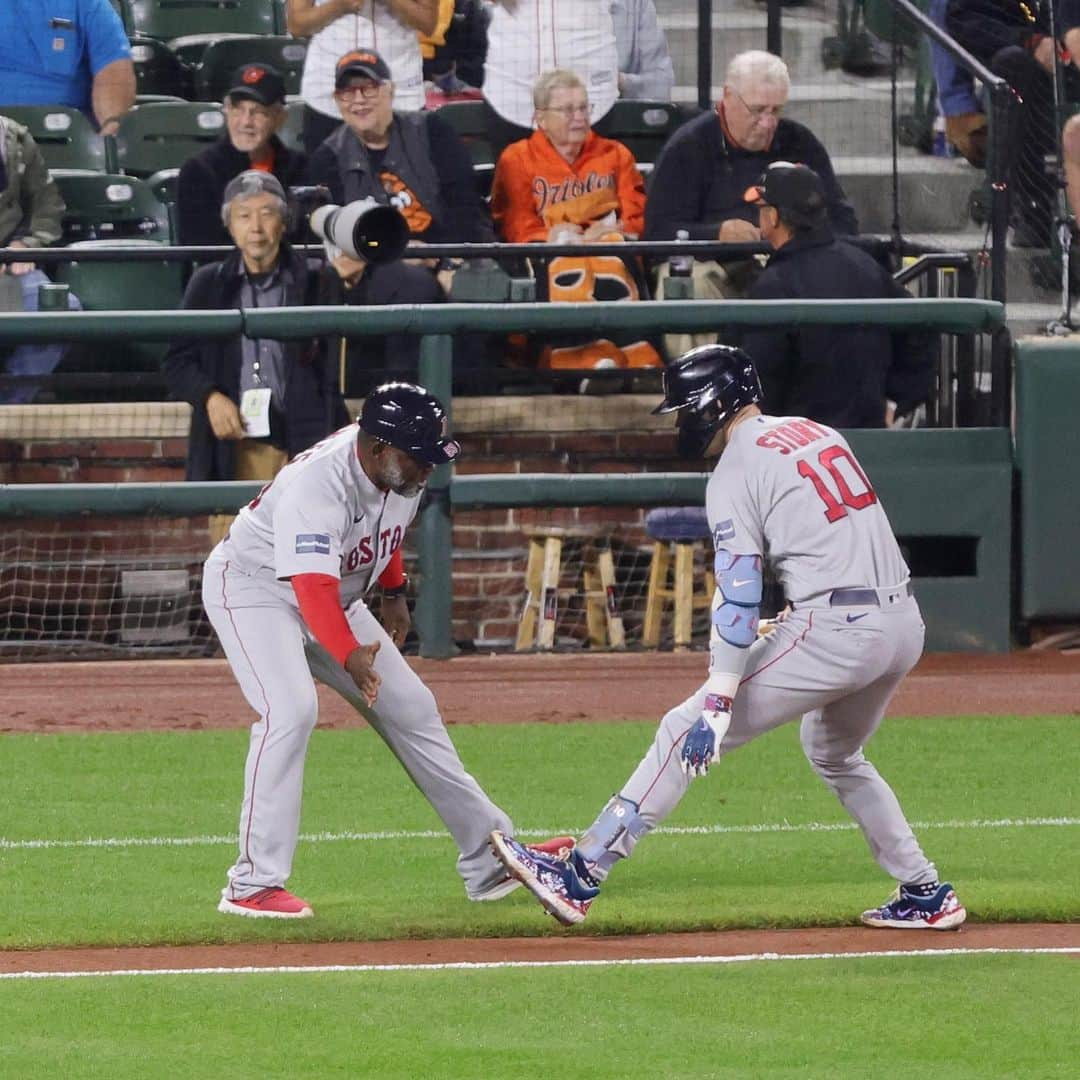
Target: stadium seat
221,58
107,206
122,286
66,137
170,19
292,131
643,126
158,71
469,120
163,135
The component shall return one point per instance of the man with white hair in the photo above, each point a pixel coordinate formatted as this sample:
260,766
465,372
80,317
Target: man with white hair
698,182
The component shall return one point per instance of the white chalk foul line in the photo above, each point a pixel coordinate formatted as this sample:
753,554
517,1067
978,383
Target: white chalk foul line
436,834
652,961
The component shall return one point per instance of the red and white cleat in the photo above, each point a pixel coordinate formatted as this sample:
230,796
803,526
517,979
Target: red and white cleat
272,903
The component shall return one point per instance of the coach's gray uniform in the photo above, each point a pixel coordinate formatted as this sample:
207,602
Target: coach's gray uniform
791,491
322,514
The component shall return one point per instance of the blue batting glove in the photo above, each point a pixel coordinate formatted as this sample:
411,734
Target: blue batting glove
701,746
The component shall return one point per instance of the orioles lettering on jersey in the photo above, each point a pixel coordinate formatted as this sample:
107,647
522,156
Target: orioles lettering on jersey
793,436
549,194
368,548
404,200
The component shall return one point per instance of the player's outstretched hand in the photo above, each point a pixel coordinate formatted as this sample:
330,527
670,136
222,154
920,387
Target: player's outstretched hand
702,743
360,664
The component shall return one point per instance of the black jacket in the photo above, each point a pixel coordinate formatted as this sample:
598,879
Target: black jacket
700,178
201,187
458,214
313,406
985,28
837,375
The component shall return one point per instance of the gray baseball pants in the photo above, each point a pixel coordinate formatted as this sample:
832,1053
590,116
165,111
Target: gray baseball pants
275,661
838,676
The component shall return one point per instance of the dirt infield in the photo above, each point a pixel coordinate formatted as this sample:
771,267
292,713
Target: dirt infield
147,695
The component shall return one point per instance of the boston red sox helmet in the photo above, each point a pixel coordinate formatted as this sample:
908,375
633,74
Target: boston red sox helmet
406,416
708,386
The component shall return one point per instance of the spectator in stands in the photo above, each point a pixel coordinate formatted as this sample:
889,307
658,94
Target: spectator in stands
31,209
700,177
73,54
1012,40
336,27
454,55
645,69
844,376
965,121
527,38
565,183
254,113
255,402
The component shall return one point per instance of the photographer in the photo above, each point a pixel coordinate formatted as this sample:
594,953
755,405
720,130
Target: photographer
256,403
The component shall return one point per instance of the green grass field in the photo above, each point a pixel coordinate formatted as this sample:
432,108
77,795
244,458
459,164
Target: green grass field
953,776
124,839
957,1018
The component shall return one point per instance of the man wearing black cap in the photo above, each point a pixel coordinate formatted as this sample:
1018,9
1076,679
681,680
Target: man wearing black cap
254,112
844,376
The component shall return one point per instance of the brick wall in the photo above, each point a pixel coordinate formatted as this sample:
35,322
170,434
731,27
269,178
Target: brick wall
490,546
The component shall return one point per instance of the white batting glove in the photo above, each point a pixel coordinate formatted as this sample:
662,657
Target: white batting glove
701,746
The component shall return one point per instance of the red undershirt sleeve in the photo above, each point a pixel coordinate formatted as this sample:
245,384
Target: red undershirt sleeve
319,596
393,575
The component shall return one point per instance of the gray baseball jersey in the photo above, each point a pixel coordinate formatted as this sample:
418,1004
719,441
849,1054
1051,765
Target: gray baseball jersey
323,515
792,491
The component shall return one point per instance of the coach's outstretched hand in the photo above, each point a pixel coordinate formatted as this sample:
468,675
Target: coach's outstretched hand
360,664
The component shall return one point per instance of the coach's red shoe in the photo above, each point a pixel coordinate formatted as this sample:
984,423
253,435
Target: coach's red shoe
272,903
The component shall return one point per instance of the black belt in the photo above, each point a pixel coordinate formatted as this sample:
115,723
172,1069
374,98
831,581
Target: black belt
868,597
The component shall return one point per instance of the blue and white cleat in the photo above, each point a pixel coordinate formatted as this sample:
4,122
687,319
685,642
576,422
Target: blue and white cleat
907,911
552,878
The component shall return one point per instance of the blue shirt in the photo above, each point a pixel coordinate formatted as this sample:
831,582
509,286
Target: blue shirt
50,50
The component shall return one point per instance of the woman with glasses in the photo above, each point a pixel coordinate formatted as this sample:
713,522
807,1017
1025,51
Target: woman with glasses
566,184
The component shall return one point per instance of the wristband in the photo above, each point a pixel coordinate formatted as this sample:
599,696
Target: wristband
396,590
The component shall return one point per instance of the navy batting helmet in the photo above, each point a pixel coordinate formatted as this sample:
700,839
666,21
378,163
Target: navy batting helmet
406,416
708,385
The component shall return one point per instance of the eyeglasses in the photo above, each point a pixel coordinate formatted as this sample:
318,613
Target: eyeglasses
359,90
570,110
759,112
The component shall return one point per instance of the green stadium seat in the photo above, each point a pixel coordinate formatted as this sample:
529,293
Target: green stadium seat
292,131
469,120
108,206
169,19
122,286
221,58
158,71
643,126
66,137
163,135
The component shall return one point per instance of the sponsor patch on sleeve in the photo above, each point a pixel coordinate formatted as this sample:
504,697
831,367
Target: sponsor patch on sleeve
725,530
312,544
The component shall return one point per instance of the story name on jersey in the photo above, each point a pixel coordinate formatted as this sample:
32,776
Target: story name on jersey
793,435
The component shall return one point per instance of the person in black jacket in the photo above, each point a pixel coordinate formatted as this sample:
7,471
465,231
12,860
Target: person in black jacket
843,376
698,181
1012,39
254,113
255,402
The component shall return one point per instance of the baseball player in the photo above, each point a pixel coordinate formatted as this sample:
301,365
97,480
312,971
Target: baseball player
791,490
284,591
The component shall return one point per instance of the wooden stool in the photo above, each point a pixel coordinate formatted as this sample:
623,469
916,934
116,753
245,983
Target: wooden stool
536,626
683,528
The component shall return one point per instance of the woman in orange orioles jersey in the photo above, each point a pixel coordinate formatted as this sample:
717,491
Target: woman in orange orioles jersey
566,184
